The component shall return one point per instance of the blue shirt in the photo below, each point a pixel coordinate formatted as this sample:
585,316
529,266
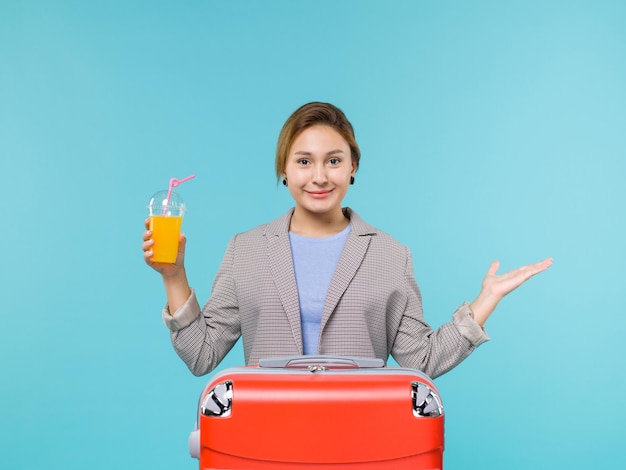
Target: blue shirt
314,261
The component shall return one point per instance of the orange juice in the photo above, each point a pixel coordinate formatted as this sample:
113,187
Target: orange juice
165,233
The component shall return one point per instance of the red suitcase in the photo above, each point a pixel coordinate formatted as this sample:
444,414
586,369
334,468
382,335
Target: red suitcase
319,412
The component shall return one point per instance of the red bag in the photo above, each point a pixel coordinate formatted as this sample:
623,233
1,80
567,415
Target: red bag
319,412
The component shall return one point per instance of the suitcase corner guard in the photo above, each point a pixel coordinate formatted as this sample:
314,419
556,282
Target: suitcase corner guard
219,400
426,401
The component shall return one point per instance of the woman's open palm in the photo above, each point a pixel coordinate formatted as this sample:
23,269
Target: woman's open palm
500,285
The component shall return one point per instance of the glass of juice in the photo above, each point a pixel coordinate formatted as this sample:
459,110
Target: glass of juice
166,219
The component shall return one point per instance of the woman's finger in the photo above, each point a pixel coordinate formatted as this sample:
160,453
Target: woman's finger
493,269
147,254
533,269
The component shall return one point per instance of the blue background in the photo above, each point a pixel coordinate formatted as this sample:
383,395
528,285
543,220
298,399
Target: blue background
488,130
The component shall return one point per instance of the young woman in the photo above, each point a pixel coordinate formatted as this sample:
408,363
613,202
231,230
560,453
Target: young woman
319,279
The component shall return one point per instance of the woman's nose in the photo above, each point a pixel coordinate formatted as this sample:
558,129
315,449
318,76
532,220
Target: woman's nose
319,174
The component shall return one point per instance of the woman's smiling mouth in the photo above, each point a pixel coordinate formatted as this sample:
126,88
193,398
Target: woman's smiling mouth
318,194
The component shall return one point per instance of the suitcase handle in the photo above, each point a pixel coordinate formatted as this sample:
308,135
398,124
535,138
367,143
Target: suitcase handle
321,362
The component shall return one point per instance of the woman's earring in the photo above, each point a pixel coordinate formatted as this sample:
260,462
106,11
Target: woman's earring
352,180
284,181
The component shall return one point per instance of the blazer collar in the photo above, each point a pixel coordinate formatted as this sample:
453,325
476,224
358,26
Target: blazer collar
349,263
283,272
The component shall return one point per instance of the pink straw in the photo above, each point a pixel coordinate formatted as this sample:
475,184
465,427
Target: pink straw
173,183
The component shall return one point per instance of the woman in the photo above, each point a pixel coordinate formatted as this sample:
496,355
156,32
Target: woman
320,280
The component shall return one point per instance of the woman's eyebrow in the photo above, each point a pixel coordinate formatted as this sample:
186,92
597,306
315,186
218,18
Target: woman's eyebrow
304,152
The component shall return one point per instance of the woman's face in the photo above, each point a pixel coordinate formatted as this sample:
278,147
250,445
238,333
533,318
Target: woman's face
318,170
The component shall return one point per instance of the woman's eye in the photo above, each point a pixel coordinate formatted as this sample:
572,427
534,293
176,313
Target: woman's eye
303,162
334,161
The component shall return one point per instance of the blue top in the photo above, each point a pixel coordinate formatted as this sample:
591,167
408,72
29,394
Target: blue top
314,260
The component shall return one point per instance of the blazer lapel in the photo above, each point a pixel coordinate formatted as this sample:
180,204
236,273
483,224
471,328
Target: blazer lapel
349,262
283,273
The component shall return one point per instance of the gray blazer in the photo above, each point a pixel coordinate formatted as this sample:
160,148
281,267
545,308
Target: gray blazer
373,307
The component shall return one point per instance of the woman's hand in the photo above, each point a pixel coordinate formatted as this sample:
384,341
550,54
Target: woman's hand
496,286
165,269
174,276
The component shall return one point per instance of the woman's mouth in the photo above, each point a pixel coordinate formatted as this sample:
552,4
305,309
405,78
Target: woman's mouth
318,194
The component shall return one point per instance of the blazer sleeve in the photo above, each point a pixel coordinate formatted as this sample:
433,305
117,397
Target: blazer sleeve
202,338
434,352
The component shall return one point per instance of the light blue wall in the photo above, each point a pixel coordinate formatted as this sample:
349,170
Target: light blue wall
496,128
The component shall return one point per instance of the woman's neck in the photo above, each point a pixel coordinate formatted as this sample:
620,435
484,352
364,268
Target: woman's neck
314,225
